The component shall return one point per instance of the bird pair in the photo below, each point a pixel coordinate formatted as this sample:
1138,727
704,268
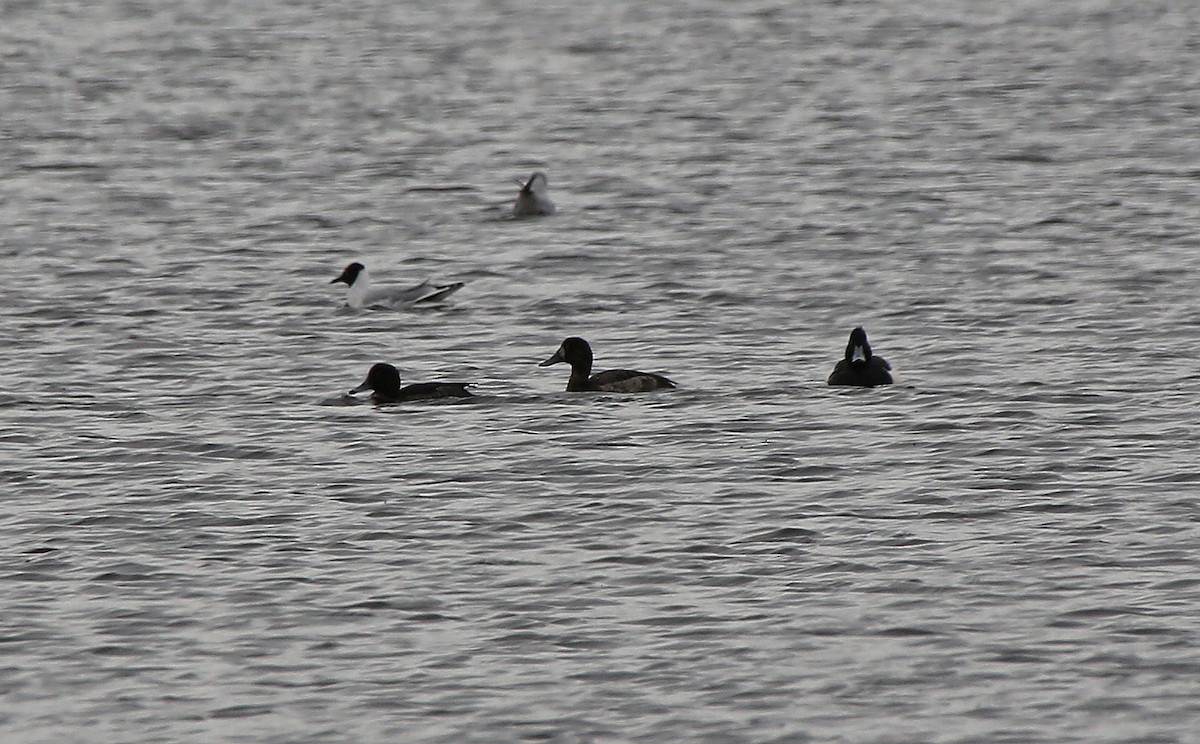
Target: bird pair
532,201
859,367
384,380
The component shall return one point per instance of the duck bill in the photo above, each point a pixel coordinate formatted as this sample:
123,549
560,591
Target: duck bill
558,357
858,356
362,388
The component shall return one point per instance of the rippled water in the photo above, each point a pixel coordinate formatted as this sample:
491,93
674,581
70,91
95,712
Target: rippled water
202,542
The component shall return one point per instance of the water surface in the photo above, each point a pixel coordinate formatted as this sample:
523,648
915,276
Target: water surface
202,542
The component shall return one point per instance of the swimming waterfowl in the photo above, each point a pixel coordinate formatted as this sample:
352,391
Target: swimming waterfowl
532,201
578,353
384,380
860,367
361,293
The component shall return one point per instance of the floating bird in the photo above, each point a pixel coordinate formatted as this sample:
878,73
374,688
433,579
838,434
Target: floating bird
578,353
384,380
362,294
532,200
861,367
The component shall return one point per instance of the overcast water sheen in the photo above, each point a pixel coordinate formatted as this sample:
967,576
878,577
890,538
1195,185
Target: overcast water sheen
204,541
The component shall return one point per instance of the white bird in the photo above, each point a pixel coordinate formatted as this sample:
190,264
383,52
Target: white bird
532,200
361,294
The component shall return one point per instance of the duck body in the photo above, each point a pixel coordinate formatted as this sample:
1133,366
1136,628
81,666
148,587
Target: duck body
384,380
860,367
361,293
578,353
533,200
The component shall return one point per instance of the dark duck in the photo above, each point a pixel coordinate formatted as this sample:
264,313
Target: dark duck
578,353
384,380
860,367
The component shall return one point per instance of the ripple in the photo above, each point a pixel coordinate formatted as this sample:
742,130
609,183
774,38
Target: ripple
202,537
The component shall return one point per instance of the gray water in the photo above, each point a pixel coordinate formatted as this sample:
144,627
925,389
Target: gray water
203,540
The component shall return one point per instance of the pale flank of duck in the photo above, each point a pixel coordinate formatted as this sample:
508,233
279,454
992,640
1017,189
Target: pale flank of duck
362,294
533,200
